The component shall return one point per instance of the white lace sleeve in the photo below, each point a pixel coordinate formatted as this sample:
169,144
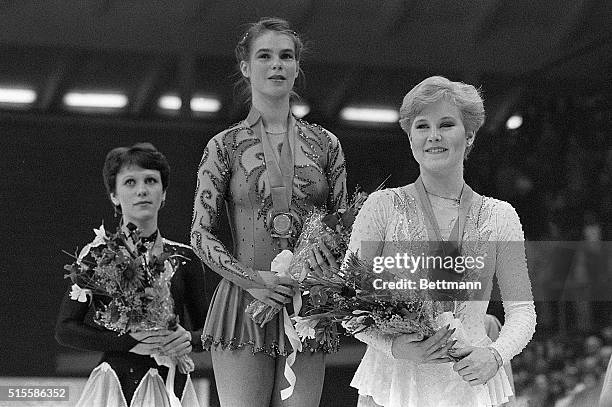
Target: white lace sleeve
605,399
381,342
514,284
370,226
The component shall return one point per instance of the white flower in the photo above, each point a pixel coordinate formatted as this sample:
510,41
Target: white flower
305,327
168,269
281,262
79,294
99,240
355,324
360,312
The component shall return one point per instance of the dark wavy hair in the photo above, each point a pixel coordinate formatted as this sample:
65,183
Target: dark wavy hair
243,51
143,155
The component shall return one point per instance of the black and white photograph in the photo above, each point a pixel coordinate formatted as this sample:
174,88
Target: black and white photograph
302,203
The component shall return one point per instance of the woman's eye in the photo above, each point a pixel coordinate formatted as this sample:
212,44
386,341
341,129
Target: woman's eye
447,124
422,126
264,56
151,180
287,56
129,182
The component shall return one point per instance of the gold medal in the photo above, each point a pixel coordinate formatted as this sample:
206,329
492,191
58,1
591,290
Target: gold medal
281,225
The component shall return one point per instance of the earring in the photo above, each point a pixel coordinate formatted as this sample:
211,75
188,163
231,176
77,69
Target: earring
163,203
470,139
117,211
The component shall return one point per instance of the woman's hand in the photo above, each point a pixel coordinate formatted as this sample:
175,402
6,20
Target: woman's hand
162,342
177,343
149,342
277,292
321,258
477,366
431,350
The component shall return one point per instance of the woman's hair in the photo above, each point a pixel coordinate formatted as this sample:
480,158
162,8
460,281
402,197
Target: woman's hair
466,97
143,155
243,49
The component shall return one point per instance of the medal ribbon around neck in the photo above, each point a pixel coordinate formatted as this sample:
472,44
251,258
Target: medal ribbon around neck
280,171
465,201
452,247
280,177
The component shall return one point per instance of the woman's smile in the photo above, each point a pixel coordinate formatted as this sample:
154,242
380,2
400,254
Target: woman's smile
436,150
437,137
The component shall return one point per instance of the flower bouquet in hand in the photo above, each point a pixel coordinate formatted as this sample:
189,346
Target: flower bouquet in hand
332,229
132,280
350,296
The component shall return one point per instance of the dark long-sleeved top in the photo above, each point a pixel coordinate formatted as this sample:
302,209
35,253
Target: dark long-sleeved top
76,328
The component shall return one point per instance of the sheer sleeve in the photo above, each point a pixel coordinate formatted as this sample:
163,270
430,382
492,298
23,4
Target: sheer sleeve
71,329
514,284
214,174
336,174
605,399
370,226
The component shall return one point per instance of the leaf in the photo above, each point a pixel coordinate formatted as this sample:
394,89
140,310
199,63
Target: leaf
331,220
348,218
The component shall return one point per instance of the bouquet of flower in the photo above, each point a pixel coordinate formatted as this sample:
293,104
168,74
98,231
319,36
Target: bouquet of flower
349,296
334,229
132,281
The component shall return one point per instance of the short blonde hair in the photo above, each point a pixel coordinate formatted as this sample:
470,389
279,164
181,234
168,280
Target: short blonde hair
466,97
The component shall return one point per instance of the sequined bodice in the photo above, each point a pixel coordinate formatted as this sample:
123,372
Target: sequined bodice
233,171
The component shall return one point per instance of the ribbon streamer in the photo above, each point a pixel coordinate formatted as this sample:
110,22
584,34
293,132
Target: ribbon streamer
171,364
296,344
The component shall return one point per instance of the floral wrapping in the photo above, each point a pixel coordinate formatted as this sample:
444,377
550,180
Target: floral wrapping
349,296
133,277
314,229
333,229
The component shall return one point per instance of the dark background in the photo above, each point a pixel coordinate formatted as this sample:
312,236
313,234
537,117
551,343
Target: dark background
549,61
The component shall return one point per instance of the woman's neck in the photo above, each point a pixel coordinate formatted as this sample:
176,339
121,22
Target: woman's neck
448,185
146,227
274,112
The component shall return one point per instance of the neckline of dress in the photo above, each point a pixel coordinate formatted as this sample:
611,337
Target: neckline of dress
272,133
443,203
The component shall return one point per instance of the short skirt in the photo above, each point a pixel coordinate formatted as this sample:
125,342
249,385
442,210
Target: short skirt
228,326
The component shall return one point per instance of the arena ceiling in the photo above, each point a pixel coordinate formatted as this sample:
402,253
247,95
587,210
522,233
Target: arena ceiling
359,50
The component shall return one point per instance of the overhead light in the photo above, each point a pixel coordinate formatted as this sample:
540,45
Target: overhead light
95,101
205,104
514,122
170,102
300,109
17,97
369,114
